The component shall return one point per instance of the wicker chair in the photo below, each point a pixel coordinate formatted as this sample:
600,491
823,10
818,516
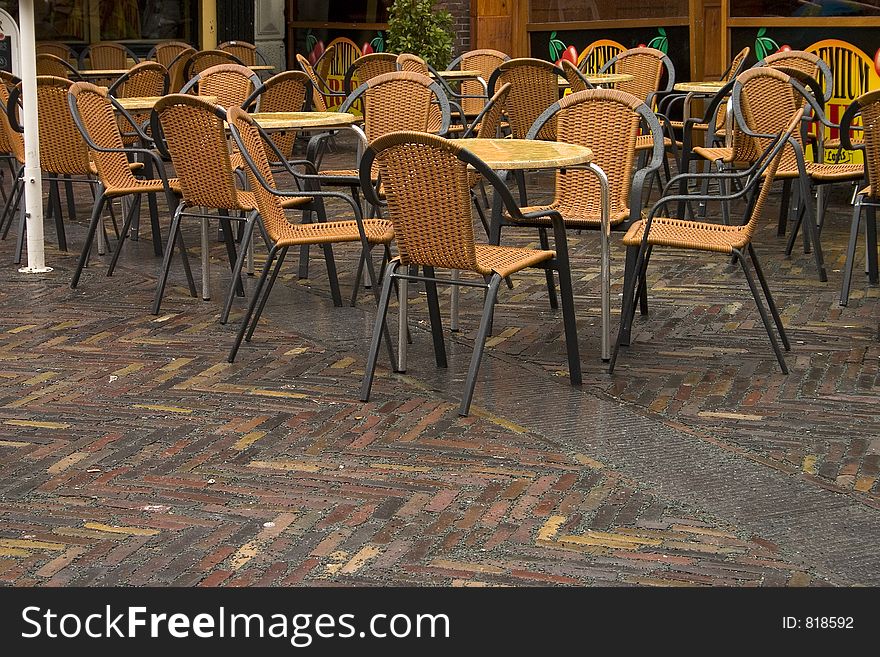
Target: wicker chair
868,198
12,144
107,55
609,122
246,52
166,51
577,81
48,64
9,81
177,69
656,230
535,87
415,64
205,59
367,67
425,179
231,84
474,92
57,48
144,79
767,102
321,93
195,140
288,91
92,109
282,233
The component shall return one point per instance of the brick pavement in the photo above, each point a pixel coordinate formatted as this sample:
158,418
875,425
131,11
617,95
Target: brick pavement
133,454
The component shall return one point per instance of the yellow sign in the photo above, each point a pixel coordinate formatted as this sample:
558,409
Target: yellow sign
598,53
853,74
344,52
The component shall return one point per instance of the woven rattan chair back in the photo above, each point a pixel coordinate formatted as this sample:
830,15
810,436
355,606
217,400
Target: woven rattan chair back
870,111
58,49
429,202
367,67
767,104
165,52
177,69
485,61
736,65
12,140
231,84
246,52
53,65
608,122
327,59
318,102
62,149
144,79
399,101
97,117
491,120
196,139
805,62
8,79
535,86
107,55
287,91
205,59
409,62
647,66
576,81
268,205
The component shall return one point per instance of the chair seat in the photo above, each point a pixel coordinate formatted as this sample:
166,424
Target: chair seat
249,203
574,217
646,142
695,235
821,172
144,187
379,231
722,153
507,260
834,144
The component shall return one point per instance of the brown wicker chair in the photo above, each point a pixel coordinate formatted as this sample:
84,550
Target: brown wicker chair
576,79
656,230
57,48
205,59
144,79
535,88
767,102
195,140
425,179
107,55
288,91
231,84
12,144
868,198
474,92
282,233
177,68
367,67
248,53
93,113
321,93
166,51
415,64
607,121
48,64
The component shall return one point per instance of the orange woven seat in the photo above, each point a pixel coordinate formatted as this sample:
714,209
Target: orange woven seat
646,142
716,154
378,231
507,260
686,234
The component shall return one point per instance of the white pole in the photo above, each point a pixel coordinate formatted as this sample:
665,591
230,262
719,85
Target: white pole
33,182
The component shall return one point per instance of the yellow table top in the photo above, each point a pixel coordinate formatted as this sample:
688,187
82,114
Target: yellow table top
261,67
287,120
708,87
103,73
526,153
148,102
460,75
601,78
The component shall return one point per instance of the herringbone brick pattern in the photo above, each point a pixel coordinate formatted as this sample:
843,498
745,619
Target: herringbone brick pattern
132,453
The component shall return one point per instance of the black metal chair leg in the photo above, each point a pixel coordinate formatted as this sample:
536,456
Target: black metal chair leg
90,236
357,278
855,227
551,285
569,321
166,261
11,204
55,202
332,276
126,225
380,327
71,200
764,318
154,224
246,237
871,230
479,344
783,208
436,320
22,226
245,321
636,262
769,297
229,239
266,292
